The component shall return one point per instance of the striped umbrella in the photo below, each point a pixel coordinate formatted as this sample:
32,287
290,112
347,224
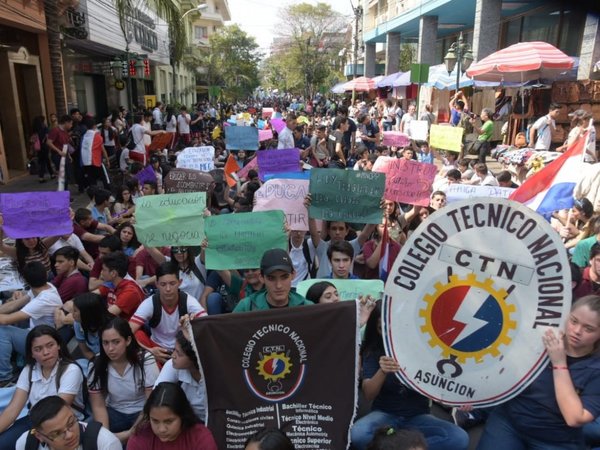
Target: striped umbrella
522,62
360,84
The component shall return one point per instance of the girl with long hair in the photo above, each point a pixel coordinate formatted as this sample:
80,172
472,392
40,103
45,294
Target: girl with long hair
89,317
127,235
121,379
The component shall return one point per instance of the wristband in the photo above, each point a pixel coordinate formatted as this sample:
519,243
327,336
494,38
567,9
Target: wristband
560,368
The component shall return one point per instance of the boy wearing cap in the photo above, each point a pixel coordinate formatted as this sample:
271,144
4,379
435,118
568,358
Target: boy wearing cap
277,270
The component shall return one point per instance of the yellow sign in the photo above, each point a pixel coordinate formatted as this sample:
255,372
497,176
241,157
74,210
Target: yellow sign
446,137
150,101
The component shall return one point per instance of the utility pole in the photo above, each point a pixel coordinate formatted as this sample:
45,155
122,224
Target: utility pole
358,12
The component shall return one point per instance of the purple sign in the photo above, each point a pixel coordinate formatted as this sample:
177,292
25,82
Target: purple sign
36,214
146,175
277,161
278,125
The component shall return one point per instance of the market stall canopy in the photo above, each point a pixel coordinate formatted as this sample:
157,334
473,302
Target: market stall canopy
402,80
522,62
339,88
388,80
440,78
360,84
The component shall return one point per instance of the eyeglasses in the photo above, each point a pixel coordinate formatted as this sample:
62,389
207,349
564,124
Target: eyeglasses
176,250
59,433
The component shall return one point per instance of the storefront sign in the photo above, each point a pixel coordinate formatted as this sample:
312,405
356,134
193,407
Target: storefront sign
482,280
140,27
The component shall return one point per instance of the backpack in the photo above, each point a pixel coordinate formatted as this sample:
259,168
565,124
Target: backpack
62,365
88,438
157,308
131,144
312,267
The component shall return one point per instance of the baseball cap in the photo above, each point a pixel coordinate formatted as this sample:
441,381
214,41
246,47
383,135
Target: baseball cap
276,259
582,113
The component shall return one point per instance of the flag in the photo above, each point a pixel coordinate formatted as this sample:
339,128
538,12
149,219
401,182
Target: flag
384,259
231,166
551,188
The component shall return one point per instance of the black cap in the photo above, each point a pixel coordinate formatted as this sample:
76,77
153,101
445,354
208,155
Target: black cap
276,259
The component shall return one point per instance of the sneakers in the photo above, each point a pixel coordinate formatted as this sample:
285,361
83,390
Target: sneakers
467,420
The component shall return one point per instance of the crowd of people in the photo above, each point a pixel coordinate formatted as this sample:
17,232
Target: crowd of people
136,372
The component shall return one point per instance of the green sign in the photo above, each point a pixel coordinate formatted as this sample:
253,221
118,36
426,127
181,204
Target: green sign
170,219
346,195
347,289
419,73
238,241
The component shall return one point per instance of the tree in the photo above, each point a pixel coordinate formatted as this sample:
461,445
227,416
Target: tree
310,38
232,60
408,56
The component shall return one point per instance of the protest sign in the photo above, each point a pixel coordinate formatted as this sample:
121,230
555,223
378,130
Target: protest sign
197,158
347,289
409,181
346,195
278,125
260,124
275,161
146,174
231,166
241,138
170,219
418,129
483,279
36,214
304,175
274,365
265,135
238,241
161,141
286,195
252,164
455,192
446,137
382,162
188,180
267,112
395,139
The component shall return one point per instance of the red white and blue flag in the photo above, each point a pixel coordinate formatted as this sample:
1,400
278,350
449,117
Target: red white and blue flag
551,189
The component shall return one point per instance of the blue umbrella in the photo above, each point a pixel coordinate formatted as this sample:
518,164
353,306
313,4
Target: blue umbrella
402,80
440,79
389,80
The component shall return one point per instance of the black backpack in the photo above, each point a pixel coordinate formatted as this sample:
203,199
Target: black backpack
157,308
312,267
88,438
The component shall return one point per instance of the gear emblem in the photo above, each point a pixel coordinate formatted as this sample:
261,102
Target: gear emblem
274,366
468,318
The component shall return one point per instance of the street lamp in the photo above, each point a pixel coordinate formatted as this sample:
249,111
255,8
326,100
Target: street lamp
120,68
460,56
198,8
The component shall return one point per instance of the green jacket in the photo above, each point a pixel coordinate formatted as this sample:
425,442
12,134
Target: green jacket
258,302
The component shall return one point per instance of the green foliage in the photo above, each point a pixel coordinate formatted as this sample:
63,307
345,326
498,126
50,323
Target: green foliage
309,40
232,60
408,56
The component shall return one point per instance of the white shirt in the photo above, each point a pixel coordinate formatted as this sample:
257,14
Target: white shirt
157,116
285,139
190,284
488,180
544,132
123,159
41,307
183,123
124,393
299,262
106,441
165,331
171,125
194,390
72,241
405,123
147,138
70,383
138,132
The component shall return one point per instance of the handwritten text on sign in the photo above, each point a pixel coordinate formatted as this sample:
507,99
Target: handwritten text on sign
197,158
241,138
188,180
36,214
445,137
346,195
275,161
455,192
395,139
288,196
170,219
409,182
238,241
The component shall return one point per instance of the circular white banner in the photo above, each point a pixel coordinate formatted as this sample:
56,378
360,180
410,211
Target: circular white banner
469,297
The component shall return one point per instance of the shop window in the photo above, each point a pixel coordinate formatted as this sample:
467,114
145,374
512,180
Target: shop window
541,28
512,32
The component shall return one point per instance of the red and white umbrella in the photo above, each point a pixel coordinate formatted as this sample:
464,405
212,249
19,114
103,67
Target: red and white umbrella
360,84
521,62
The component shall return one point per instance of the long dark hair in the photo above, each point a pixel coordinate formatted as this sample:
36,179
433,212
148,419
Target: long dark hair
45,330
373,341
186,347
171,395
133,353
134,243
38,126
22,253
111,131
190,259
316,290
93,312
119,196
270,439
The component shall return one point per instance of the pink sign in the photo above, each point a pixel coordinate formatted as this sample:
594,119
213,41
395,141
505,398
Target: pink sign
278,124
409,181
287,195
382,162
395,139
265,135
267,112
253,164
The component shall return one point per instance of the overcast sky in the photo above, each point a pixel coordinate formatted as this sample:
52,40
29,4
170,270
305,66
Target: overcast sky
259,18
